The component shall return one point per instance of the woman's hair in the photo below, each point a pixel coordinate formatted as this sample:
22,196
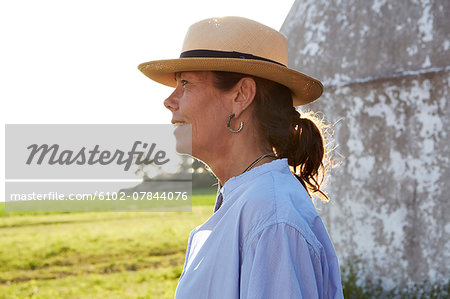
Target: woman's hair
300,139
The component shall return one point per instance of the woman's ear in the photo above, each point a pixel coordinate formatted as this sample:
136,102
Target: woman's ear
245,91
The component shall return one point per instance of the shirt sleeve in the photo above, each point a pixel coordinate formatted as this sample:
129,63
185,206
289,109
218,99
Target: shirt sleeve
280,263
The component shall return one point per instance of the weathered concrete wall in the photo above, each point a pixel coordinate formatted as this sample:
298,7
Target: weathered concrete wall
386,72
348,40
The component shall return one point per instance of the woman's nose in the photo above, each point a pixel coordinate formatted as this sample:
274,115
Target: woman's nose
171,102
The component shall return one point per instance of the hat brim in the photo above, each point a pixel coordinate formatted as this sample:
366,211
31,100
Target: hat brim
304,88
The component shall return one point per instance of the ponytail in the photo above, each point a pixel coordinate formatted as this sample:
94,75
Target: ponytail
299,138
306,152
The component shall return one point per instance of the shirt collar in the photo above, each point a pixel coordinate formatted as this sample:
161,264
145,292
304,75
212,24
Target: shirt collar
234,182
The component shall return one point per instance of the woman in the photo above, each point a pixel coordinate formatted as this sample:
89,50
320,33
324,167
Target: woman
234,91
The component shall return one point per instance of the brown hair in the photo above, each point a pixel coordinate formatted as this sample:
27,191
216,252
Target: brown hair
298,138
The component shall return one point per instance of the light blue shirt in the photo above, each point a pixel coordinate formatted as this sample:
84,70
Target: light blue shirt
265,241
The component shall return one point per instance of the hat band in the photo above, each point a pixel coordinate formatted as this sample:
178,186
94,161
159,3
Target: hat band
223,54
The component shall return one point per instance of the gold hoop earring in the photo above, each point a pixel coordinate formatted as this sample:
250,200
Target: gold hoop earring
229,125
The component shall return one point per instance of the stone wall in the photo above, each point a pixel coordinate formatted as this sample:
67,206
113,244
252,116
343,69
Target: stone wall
386,72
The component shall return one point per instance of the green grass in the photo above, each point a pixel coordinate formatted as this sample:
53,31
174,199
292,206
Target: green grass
204,197
96,255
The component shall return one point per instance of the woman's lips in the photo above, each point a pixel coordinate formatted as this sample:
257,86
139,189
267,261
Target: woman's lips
178,123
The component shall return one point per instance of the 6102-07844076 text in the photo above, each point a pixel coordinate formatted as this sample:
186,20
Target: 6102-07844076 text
100,195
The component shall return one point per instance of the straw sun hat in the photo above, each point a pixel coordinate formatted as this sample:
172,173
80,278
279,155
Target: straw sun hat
235,44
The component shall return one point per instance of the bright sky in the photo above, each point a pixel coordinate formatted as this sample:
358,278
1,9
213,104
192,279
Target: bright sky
76,61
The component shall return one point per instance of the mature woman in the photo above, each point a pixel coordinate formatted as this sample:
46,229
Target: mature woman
265,238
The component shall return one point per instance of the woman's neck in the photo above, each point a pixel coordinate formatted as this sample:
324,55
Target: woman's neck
236,160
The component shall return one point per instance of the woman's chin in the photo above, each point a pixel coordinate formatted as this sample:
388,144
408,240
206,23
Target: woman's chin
183,137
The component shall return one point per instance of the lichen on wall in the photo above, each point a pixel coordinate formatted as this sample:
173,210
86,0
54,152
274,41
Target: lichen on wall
391,191
386,71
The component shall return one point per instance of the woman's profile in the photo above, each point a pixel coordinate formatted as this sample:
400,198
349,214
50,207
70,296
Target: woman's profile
235,99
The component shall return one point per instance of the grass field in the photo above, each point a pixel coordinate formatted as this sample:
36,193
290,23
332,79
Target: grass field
96,255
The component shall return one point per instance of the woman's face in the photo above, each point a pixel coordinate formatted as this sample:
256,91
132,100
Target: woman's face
198,110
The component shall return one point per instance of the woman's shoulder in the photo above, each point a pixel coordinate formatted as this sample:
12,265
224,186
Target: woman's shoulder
272,199
275,192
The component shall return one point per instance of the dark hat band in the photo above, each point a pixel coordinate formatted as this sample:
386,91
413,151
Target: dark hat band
223,54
